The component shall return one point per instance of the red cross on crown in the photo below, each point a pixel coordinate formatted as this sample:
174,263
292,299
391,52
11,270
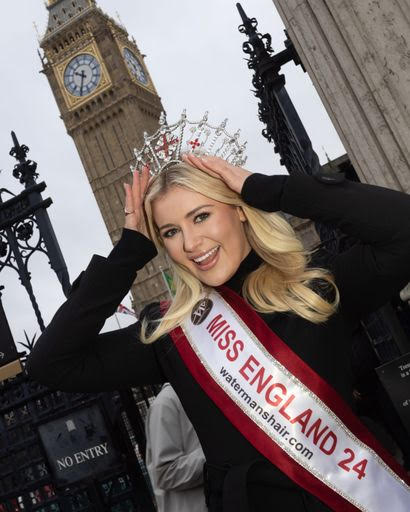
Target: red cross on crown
194,143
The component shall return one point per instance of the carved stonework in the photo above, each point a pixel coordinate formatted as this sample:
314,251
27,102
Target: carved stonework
107,100
357,55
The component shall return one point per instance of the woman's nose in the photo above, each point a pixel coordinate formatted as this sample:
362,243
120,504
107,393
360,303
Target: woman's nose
192,241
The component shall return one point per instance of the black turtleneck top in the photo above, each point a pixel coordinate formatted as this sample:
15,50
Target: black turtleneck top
248,264
71,355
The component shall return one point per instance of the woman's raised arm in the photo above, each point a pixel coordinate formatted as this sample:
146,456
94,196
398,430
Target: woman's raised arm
71,355
370,272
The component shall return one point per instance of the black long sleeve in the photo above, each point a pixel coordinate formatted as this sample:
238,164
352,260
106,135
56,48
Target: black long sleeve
369,273
70,355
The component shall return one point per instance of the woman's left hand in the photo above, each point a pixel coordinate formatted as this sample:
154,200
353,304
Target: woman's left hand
233,176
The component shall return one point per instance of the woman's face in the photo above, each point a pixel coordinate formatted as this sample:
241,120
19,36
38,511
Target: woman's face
205,236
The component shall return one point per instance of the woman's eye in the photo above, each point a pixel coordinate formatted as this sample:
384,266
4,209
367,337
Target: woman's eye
197,219
201,217
170,233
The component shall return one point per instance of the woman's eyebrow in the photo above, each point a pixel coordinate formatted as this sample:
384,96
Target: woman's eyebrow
189,214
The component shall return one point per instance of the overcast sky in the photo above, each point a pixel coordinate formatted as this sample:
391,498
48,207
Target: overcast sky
194,55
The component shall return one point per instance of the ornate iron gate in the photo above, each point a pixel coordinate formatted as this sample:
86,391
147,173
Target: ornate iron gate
27,479
68,452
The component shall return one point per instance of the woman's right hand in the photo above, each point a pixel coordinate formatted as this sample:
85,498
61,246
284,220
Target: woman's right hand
134,201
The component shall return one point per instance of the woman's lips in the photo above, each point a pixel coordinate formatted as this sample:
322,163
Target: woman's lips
209,262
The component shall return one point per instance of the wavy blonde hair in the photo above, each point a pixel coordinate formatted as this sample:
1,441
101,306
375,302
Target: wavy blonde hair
283,282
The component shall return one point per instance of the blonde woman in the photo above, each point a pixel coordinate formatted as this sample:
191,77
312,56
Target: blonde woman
256,341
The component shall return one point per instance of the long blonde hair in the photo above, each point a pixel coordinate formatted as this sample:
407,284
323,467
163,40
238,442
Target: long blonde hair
282,283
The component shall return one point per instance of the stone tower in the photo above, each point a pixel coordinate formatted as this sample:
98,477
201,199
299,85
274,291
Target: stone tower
107,100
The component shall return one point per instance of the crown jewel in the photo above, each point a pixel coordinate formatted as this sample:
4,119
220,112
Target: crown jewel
166,145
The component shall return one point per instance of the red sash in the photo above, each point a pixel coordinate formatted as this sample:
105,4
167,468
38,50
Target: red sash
309,479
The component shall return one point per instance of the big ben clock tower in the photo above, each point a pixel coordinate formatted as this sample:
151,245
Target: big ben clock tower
107,100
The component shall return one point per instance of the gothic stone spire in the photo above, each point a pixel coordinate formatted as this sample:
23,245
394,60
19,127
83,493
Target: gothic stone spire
61,12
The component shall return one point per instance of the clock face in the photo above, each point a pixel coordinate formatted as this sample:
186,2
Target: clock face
82,75
135,67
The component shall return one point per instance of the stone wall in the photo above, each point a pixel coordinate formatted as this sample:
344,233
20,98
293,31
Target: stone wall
357,53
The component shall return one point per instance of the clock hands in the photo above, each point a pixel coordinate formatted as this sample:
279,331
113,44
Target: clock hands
82,75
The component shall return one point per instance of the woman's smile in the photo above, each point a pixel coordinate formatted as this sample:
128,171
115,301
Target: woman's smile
209,259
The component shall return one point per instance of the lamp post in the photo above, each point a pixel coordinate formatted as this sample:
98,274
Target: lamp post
283,125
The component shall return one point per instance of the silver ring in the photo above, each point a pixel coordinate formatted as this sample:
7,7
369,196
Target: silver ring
128,213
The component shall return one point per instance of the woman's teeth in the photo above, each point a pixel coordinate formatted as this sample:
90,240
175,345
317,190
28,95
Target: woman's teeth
206,257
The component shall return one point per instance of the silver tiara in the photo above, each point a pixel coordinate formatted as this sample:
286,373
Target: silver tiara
166,145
